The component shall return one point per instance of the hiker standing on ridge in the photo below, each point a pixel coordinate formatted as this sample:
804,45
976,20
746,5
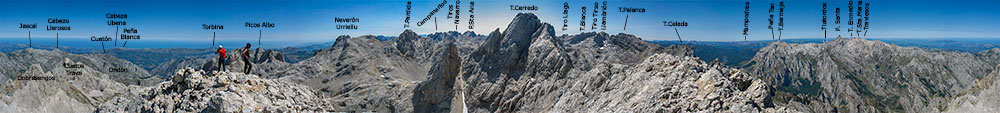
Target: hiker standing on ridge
246,59
222,58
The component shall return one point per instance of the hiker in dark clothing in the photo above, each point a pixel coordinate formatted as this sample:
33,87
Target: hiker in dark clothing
222,58
246,59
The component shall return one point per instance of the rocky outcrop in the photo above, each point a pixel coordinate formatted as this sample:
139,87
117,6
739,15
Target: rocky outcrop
858,75
982,97
199,91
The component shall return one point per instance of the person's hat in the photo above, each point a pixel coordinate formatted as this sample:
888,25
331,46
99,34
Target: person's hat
220,45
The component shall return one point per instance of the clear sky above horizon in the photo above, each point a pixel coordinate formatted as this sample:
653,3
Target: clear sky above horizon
312,21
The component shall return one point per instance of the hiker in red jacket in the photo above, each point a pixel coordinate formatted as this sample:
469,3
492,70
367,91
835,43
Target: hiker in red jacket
222,58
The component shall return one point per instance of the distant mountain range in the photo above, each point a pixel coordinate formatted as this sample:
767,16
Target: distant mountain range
734,53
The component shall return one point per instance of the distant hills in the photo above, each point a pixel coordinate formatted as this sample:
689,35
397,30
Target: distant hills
525,67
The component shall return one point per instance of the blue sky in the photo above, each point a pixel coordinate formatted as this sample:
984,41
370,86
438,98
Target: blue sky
177,23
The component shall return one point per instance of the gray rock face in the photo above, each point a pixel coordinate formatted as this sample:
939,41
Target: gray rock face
407,73
167,69
199,91
858,75
982,97
527,68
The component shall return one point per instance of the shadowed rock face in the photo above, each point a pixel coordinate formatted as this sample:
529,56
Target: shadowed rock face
858,75
199,91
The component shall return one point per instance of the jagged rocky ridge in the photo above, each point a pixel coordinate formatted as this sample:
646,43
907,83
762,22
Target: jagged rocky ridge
858,75
465,42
